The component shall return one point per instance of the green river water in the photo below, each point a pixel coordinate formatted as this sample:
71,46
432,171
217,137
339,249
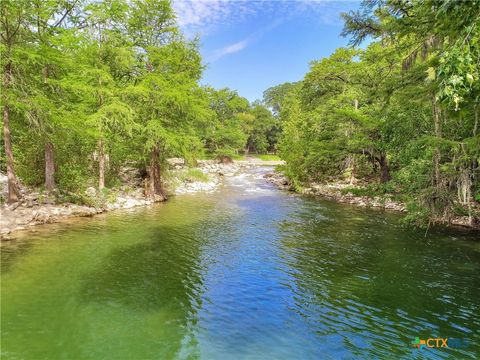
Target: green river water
246,272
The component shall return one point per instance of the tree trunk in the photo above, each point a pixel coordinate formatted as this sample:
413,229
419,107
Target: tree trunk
101,165
384,169
155,179
353,172
49,156
438,135
475,126
49,167
352,159
12,182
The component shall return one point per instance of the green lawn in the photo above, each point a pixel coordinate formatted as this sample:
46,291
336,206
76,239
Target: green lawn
268,157
209,156
264,157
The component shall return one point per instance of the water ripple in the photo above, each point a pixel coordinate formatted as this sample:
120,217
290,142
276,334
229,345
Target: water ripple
247,272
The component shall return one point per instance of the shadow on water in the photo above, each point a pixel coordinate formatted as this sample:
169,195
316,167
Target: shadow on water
161,274
150,275
11,251
124,286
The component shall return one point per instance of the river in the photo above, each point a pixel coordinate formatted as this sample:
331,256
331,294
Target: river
246,272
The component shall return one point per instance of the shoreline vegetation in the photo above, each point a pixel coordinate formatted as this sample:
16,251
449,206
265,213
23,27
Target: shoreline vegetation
38,209
95,90
396,119
362,196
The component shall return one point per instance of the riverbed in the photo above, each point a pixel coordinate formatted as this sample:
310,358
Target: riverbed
245,272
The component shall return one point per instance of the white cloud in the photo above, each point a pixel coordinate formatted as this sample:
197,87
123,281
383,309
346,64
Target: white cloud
229,49
240,45
205,16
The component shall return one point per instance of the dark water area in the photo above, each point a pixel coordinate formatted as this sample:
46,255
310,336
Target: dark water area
246,272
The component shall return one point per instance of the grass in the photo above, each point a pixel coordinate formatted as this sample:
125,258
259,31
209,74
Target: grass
209,156
192,175
264,157
268,157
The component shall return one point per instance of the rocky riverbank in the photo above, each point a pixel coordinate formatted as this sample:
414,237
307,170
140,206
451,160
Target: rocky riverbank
38,208
339,192
336,192
186,181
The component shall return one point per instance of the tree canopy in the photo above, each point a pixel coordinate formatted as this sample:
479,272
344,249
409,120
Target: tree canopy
89,87
400,115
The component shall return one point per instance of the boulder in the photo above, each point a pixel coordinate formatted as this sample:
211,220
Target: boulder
176,162
224,159
3,183
91,192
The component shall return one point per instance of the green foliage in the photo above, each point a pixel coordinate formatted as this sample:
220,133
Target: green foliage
371,190
401,114
111,84
115,82
223,134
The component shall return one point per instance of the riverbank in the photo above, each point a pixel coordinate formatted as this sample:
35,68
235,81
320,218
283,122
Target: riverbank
37,208
344,193
337,192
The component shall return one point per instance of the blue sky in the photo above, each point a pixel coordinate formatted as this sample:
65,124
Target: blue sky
250,46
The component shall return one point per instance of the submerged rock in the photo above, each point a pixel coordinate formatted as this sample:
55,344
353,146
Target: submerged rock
278,179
